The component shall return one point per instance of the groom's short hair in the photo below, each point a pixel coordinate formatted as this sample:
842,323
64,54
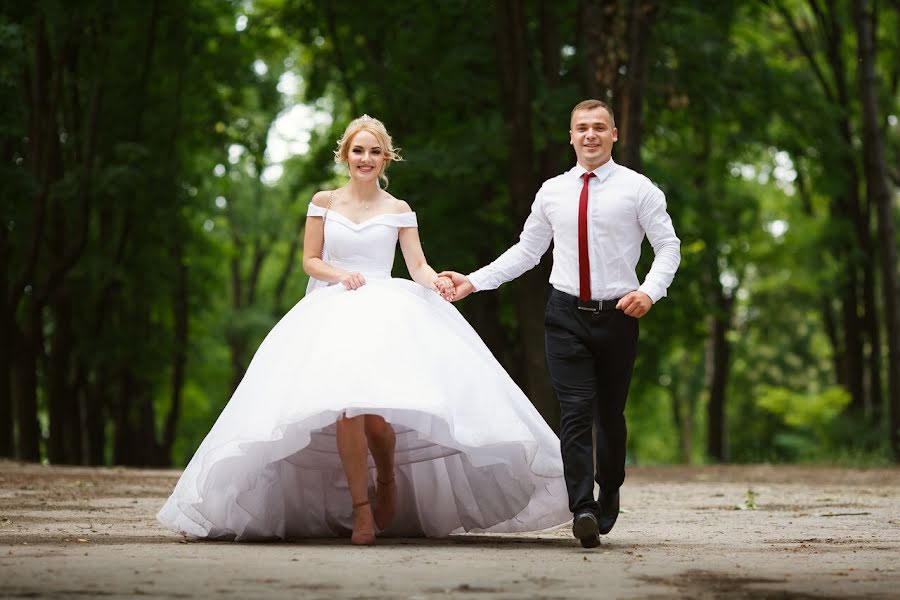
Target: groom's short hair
592,104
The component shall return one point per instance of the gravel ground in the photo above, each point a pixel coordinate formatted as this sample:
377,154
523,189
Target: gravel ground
700,532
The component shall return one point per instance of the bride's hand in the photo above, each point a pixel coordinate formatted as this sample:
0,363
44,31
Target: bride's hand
353,281
462,286
444,287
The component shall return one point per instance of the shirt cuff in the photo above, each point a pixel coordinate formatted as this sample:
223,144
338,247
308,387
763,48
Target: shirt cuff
475,280
653,291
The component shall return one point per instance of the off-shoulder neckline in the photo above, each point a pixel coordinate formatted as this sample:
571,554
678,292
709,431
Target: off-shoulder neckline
361,224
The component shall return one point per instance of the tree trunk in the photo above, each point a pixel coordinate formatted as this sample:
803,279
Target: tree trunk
181,292
287,270
149,452
874,398
124,439
601,36
25,388
877,189
531,302
236,354
555,153
180,311
135,439
845,207
481,311
340,62
7,443
630,121
717,368
851,211
64,443
826,302
235,338
512,54
683,417
7,351
79,420
147,65
853,345
95,401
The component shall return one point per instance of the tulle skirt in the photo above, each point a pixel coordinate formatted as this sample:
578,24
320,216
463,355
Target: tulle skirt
472,453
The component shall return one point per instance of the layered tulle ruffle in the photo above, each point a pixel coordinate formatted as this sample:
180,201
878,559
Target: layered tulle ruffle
472,453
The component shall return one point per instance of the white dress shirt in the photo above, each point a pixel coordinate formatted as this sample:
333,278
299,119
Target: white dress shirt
623,206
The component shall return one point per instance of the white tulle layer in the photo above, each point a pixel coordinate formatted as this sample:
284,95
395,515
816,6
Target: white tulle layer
472,453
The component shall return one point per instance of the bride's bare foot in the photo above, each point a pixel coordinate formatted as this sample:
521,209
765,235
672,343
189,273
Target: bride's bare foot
385,501
363,526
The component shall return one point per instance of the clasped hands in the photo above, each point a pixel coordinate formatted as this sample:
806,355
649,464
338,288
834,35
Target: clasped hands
452,286
442,284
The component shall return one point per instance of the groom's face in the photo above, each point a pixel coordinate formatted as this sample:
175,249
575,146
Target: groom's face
592,136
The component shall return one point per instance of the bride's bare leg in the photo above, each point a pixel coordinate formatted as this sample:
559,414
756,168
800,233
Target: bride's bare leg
382,440
354,453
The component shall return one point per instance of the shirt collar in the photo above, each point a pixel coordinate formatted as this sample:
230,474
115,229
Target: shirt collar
602,172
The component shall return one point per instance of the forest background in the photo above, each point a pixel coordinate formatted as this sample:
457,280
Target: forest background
157,159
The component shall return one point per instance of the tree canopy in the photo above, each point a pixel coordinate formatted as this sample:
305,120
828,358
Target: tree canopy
153,210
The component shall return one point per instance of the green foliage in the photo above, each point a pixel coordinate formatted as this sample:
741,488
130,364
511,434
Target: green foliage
811,426
738,133
804,411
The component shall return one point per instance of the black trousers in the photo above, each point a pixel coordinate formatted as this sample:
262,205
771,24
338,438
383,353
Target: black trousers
590,356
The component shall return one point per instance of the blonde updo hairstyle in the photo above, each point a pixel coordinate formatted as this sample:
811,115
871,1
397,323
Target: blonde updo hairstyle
376,128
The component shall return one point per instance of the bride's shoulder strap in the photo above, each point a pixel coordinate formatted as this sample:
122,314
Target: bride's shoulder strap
316,209
327,208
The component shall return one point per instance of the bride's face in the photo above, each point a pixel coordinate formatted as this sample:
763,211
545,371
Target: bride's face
366,157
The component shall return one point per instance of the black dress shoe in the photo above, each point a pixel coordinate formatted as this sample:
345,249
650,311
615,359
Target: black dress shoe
609,511
585,528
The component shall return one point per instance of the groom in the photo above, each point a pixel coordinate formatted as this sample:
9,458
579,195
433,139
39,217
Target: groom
596,214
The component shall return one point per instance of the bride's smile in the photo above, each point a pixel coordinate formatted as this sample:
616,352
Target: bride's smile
366,158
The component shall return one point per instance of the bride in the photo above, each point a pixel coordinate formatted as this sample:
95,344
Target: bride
372,406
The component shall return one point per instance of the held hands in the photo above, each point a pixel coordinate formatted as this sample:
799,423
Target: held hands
635,304
462,284
443,286
353,281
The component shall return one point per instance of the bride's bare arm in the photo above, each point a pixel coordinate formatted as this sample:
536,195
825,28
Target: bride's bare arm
419,269
313,240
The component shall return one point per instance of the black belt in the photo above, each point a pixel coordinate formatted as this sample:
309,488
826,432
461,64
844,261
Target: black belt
588,305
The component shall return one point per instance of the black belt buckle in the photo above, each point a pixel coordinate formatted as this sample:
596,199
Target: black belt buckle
593,306
596,306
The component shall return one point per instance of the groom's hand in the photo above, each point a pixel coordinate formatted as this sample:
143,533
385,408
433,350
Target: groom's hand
635,304
462,284
444,287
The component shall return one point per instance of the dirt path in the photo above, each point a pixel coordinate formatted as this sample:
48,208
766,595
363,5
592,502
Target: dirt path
815,533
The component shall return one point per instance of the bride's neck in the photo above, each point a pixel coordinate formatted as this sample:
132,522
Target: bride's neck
363,191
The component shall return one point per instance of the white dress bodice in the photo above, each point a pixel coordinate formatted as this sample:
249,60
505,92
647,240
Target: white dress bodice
367,247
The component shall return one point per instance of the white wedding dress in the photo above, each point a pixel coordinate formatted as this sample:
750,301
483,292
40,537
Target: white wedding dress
472,453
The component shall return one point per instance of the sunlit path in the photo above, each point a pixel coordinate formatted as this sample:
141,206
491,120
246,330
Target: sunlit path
691,532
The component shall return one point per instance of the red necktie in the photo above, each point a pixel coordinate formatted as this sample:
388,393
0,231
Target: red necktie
584,263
